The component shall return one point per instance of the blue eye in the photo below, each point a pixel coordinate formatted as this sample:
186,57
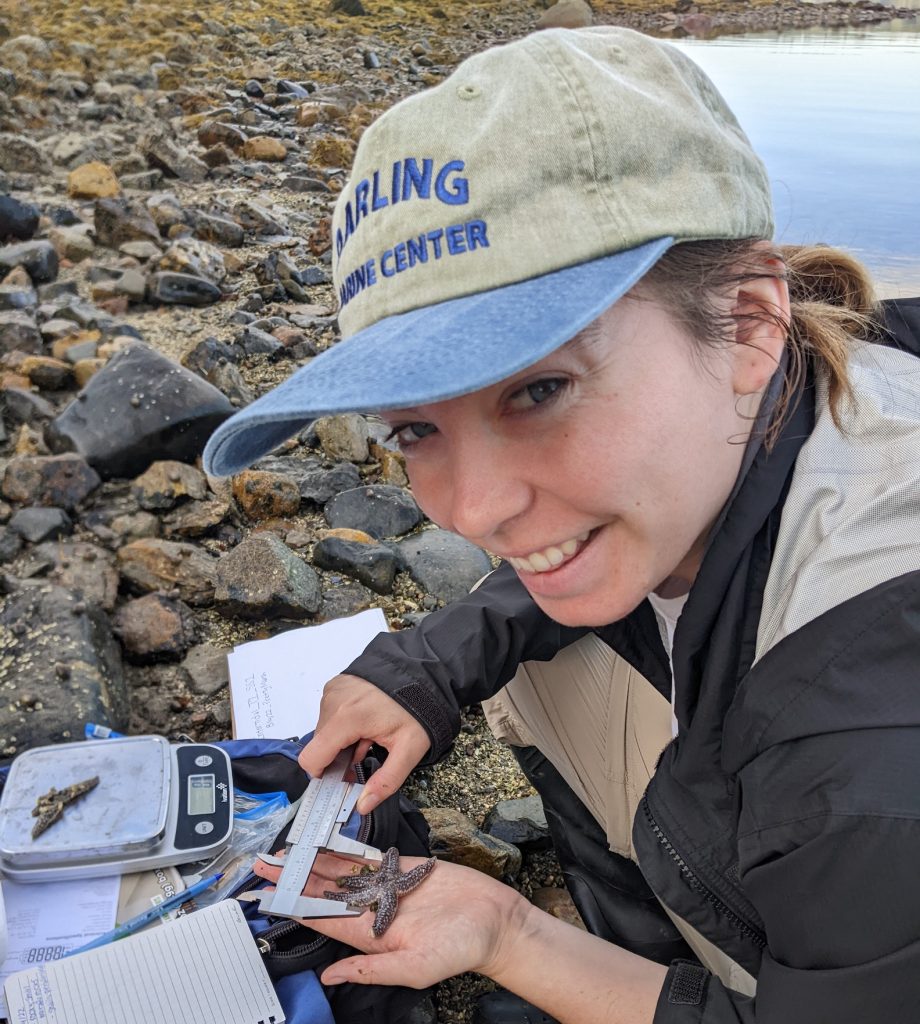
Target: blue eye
407,434
537,392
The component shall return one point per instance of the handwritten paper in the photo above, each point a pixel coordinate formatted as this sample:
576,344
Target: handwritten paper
201,969
276,684
45,920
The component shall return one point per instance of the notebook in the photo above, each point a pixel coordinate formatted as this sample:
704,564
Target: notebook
203,968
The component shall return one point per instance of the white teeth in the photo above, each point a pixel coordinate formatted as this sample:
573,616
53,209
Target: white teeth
551,557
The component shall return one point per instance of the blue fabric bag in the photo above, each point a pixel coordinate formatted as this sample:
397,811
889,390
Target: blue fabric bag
295,954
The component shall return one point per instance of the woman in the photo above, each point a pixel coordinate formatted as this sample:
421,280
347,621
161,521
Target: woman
557,286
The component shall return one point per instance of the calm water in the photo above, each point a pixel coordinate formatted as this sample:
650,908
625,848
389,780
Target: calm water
835,114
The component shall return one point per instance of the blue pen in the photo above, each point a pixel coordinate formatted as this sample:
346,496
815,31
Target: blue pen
136,923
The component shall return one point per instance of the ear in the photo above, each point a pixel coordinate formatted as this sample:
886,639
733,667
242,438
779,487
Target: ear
761,313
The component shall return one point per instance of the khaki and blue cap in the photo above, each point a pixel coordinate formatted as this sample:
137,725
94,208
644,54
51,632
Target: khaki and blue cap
489,219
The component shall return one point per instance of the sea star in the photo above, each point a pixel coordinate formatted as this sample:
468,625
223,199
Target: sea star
381,889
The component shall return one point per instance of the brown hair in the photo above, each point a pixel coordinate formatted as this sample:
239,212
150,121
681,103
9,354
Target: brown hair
831,295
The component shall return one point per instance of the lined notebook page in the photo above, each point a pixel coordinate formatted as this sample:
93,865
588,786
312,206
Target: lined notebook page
204,968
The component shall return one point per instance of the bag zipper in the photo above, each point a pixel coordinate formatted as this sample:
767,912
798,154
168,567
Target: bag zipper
745,927
268,939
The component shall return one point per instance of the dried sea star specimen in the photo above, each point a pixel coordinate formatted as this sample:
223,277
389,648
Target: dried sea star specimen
49,807
381,889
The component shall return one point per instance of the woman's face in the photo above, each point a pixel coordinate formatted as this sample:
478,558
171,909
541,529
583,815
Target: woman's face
597,472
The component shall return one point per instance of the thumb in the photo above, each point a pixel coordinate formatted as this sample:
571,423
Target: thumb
399,968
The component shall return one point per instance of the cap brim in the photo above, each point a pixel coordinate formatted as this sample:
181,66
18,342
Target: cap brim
432,353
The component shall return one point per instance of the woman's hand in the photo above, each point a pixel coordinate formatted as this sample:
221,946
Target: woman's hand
457,920
355,712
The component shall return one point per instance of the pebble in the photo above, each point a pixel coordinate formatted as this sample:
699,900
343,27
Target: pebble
94,180
380,510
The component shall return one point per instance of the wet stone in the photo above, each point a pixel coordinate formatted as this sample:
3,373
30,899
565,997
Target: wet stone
42,627
344,599
167,482
443,564
152,564
207,669
39,258
343,437
374,565
379,510
17,296
519,822
163,411
61,480
84,568
262,577
19,332
154,628
38,523
182,289
456,839
263,495
18,220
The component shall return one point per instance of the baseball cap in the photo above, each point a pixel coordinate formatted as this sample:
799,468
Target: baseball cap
489,219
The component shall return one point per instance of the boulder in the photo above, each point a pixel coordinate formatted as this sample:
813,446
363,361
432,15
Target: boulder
139,408
60,667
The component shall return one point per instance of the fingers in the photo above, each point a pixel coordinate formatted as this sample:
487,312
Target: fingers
399,968
401,759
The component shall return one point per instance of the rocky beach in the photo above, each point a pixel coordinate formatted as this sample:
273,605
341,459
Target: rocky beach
167,177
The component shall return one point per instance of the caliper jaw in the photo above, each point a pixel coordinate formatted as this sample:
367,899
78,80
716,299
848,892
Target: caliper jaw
303,906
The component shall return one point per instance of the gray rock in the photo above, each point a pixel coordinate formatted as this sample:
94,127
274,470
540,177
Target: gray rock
151,564
262,577
74,243
456,839
117,221
343,437
142,181
175,289
344,599
21,406
18,220
39,259
17,297
216,229
59,480
84,568
154,628
374,565
207,668
60,667
164,153
196,257
519,822
162,411
380,510
38,523
257,219
317,483
19,332
443,564
20,155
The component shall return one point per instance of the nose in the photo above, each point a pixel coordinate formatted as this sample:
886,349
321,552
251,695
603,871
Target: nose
485,489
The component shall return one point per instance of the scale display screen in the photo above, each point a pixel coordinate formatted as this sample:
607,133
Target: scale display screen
201,794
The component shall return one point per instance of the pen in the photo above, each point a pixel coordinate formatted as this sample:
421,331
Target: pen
135,924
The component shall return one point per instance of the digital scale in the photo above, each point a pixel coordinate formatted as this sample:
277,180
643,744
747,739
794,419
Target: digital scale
155,804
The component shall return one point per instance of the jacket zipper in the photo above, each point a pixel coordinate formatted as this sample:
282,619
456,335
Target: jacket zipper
748,930
268,939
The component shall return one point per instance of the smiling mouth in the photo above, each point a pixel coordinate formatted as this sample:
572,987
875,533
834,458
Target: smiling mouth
551,558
